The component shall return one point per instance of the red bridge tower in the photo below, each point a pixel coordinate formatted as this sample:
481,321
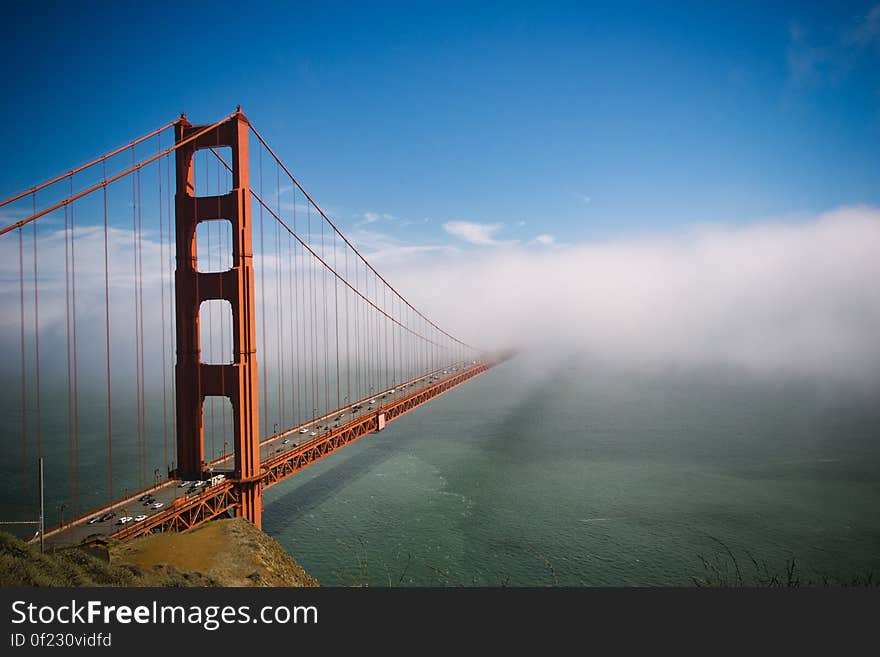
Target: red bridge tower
236,380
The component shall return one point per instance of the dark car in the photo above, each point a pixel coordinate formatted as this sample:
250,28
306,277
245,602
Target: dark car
107,516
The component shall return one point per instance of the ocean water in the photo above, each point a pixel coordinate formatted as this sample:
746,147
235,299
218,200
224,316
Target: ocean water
576,474
545,472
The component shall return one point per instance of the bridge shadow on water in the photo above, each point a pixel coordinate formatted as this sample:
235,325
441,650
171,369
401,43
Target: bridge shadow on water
520,432
302,498
295,500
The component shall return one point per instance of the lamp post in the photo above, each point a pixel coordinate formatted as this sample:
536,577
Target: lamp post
42,514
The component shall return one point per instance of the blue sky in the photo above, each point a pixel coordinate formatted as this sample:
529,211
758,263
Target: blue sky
579,121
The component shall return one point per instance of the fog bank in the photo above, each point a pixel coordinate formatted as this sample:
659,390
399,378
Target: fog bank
796,299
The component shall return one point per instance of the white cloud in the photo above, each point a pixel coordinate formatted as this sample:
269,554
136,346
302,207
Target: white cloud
373,217
382,249
473,233
544,240
785,298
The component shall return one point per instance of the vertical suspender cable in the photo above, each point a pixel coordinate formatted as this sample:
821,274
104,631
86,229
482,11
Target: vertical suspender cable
357,337
366,354
263,344
24,423
347,338
140,287
394,333
137,353
325,347
336,318
279,342
164,365
293,331
313,322
70,474
297,388
169,259
308,369
37,342
107,343
377,333
75,355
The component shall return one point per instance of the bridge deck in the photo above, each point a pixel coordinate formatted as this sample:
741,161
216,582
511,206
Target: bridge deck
281,455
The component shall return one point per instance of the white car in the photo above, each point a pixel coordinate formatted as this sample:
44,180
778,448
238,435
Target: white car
372,401
140,518
183,484
123,520
314,433
285,441
155,505
304,430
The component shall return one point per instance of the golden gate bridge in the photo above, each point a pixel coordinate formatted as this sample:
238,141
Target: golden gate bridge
191,328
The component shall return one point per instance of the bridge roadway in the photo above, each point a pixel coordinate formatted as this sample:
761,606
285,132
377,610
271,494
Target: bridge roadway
281,455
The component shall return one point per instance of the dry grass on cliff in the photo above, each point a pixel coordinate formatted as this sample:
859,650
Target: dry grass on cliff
231,551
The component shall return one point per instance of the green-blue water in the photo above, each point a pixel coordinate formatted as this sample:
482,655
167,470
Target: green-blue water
577,475
533,474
